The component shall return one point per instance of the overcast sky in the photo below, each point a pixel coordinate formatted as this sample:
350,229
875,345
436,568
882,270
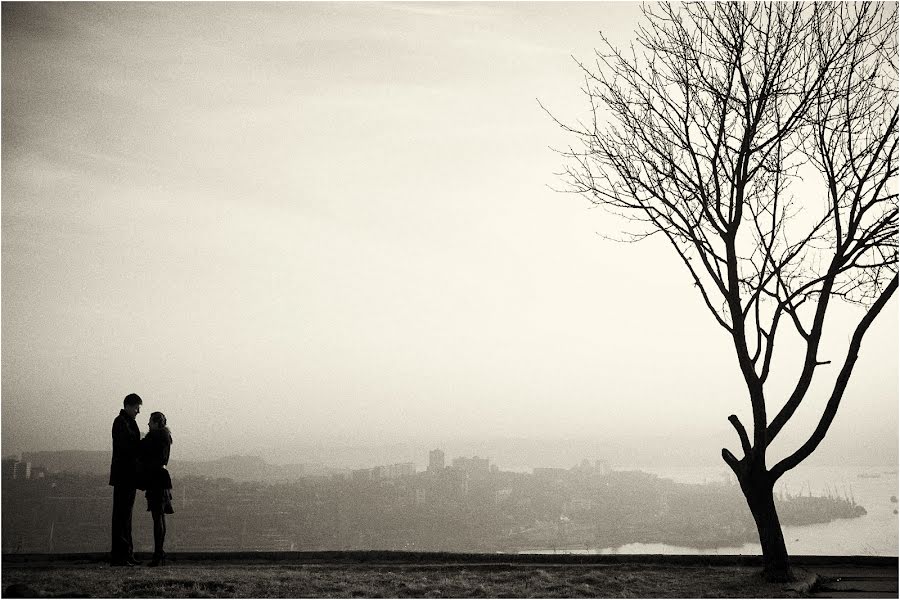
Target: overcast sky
332,223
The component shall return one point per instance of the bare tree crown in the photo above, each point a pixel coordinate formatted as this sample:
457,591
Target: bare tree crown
760,139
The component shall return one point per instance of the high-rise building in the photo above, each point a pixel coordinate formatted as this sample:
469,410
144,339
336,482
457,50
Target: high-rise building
436,461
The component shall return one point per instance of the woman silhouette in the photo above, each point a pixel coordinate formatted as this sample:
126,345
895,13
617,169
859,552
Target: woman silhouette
154,458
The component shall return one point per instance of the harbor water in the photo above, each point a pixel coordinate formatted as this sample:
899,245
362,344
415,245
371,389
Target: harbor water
873,534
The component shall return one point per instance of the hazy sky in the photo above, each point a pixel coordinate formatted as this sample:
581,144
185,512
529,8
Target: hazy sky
284,223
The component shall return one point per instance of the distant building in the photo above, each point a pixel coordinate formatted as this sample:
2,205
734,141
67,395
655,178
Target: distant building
472,465
549,472
21,470
398,470
436,461
586,469
361,474
394,471
9,466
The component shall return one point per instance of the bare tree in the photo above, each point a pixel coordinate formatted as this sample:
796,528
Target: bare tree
701,133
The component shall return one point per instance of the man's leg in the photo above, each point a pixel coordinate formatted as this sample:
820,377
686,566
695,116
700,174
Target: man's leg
129,545
119,547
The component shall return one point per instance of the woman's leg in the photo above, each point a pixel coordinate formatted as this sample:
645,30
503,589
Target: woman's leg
159,532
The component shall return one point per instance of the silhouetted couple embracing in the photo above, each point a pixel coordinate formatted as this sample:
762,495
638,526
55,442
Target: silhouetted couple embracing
139,464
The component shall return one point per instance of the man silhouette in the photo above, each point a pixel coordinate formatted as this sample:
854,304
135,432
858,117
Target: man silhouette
123,476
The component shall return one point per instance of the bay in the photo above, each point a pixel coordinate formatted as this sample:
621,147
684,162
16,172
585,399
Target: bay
873,534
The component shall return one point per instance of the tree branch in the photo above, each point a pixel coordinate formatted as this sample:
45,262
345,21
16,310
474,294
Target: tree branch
742,433
840,386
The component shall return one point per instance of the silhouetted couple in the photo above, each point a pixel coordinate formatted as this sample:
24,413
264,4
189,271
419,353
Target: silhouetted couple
139,464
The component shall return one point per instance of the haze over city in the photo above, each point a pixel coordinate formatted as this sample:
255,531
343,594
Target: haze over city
324,224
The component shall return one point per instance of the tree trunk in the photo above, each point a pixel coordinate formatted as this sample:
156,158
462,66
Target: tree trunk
758,490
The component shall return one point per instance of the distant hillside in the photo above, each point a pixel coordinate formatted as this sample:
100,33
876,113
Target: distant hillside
247,468
70,461
238,468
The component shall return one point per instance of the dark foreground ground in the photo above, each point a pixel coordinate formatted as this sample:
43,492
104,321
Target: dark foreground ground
436,575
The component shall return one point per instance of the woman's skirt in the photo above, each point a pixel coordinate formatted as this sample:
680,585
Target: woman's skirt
160,501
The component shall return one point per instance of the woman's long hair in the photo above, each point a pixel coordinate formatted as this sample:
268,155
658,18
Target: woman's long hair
160,419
